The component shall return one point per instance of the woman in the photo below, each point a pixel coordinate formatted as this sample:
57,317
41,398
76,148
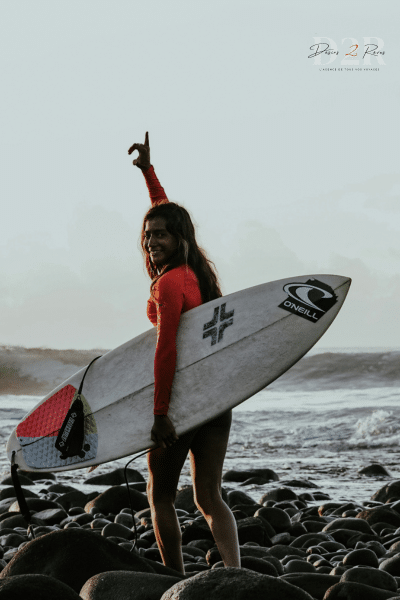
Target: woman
182,278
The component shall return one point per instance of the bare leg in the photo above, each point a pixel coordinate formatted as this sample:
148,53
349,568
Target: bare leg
207,453
165,465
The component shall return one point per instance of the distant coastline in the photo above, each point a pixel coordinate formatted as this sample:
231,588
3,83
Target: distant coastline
36,371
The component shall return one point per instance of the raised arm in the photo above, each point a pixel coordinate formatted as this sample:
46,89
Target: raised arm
156,191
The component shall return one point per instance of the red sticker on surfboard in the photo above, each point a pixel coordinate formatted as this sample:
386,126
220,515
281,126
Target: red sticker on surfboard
38,433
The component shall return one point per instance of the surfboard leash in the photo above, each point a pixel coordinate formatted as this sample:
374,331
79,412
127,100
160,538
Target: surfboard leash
23,507
129,493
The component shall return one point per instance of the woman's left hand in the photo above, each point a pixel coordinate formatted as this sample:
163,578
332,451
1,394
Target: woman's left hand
163,432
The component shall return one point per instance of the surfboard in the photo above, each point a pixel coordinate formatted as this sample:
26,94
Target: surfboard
227,350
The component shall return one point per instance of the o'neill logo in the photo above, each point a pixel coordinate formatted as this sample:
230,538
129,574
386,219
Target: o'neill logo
309,300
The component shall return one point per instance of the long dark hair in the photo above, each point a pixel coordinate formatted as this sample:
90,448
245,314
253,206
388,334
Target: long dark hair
179,224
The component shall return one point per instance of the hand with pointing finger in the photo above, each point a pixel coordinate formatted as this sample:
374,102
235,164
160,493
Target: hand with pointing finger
143,160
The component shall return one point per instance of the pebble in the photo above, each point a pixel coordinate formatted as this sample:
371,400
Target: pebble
115,477
374,470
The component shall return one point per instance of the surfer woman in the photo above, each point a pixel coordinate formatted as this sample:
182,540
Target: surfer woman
182,278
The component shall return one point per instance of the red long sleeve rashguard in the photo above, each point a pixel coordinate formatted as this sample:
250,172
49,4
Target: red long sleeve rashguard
173,294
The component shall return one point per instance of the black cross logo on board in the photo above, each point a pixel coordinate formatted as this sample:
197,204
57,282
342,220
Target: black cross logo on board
211,329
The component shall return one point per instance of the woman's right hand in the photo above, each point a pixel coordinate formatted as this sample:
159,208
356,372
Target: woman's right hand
163,432
143,160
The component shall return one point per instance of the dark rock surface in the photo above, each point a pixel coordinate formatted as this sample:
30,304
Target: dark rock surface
115,498
9,492
374,470
24,480
302,483
35,504
374,577
122,585
391,565
278,494
229,583
390,490
276,517
356,591
361,557
241,476
380,514
72,556
72,499
115,477
35,587
236,497
315,584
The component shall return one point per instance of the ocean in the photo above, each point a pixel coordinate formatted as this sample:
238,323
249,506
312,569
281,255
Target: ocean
334,412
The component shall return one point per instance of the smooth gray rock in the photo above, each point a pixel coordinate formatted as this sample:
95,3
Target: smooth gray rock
73,556
38,475
252,529
116,529
35,587
374,470
241,476
236,497
124,519
390,490
115,498
391,565
35,504
315,584
380,514
126,585
213,556
74,499
259,565
18,521
280,551
310,539
362,557
350,590
9,492
302,483
349,523
374,577
196,530
12,539
23,479
229,583
276,517
299,566
51,516
115,477
254,481
185,499
278,494
61,488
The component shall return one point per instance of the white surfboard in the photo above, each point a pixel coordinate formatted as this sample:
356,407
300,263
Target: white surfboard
228,349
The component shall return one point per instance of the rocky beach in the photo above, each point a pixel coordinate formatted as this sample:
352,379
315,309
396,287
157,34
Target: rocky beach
296,543
311,475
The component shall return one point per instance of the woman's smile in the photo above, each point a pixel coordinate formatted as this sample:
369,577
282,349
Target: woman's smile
160,244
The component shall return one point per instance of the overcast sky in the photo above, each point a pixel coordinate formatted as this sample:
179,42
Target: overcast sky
286,168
